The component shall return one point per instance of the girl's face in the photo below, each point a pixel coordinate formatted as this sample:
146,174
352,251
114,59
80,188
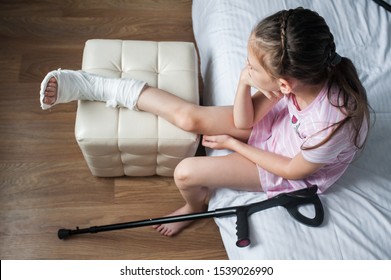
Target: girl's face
260,78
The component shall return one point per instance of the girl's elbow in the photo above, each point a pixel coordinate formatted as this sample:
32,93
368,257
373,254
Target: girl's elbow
294,175
242,124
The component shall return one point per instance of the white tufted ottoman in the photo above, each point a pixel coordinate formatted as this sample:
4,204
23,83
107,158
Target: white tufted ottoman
118,141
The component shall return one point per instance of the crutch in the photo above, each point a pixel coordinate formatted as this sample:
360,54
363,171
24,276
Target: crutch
290,201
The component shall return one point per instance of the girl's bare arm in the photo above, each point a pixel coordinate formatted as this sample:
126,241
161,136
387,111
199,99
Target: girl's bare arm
295,168
248,110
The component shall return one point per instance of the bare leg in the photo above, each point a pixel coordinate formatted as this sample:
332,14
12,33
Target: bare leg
195,177
208,120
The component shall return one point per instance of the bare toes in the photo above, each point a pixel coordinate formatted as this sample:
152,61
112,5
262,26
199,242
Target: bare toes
53,80
49,100
51,92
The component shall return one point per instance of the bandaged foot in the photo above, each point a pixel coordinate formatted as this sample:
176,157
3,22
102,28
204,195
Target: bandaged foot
72,85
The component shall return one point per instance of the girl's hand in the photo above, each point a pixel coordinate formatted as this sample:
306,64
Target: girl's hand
247,80
217,142
245,77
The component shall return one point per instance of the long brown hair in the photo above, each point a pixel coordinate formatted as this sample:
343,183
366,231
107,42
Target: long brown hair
297,43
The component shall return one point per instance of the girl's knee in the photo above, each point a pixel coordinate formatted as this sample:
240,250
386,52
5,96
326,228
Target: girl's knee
187,118
184,172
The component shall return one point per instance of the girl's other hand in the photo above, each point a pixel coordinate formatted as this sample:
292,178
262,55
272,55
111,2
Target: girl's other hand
217,142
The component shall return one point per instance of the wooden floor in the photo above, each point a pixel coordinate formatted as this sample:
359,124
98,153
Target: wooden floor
45,183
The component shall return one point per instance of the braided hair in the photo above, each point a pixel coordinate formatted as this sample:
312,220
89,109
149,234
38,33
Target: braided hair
297,43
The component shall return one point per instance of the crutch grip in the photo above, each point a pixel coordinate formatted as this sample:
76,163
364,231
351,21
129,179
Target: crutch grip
293,209
242,230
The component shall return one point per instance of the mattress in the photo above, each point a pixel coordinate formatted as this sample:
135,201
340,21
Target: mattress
357,222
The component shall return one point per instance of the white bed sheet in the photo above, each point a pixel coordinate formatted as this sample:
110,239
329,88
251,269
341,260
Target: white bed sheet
357,221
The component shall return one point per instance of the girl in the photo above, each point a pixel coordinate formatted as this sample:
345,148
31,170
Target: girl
303,126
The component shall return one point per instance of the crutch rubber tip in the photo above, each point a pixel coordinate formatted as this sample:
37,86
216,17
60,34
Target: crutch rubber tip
243,242
63,233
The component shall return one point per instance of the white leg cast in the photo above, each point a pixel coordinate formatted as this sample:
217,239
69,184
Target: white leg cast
80,85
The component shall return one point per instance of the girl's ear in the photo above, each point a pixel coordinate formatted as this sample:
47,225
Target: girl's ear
285,86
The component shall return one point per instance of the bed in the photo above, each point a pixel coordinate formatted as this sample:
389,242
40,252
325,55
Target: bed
357,223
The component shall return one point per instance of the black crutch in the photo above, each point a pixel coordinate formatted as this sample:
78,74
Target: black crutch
290,201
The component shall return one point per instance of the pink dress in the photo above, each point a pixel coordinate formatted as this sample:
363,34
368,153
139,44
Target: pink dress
286,129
